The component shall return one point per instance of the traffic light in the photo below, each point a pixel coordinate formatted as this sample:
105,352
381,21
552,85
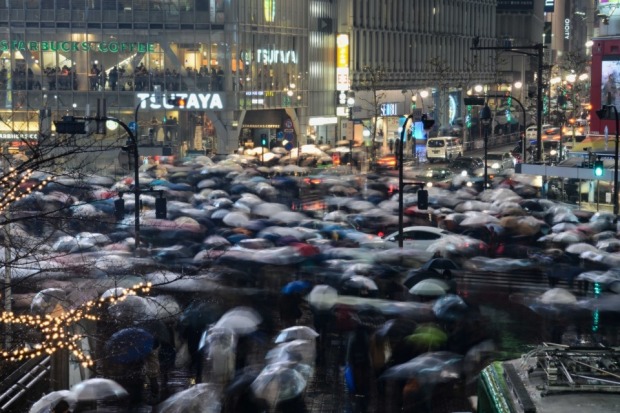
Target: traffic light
422,199
263,140
468,117
177,102
427,123
599,169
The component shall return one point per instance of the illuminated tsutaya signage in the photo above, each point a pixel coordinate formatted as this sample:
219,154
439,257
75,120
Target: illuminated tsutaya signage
342,62
204,101
268,56
54,46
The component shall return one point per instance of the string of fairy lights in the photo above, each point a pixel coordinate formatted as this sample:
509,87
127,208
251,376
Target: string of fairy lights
15,186
55,330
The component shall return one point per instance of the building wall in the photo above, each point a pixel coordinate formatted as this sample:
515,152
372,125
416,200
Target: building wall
252,54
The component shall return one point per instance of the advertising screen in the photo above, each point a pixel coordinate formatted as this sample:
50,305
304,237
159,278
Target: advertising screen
610,78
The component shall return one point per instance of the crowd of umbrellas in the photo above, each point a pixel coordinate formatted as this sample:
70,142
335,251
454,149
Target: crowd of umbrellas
237,245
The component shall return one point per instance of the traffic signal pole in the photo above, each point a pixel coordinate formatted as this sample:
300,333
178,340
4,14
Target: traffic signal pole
78,127
540,48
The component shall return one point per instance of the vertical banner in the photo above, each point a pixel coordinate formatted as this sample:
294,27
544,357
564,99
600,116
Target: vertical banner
342,62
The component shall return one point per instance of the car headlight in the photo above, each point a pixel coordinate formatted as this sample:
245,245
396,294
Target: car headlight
463,173
553,152
429,184
495,165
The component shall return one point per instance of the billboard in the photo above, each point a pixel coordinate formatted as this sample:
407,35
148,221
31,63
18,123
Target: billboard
610,79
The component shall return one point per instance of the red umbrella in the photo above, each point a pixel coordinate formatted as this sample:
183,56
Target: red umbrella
305,250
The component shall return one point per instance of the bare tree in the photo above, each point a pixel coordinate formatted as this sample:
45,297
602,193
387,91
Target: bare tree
373,80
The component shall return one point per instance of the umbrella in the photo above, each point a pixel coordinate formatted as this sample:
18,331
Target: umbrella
430,287
429,368
296,333
296,287
278,382
50,301
200,398
114,292
450,307
129,345
47,402
297,351
322,297
360,282
98,389
133,308
440,264
428,337
241,320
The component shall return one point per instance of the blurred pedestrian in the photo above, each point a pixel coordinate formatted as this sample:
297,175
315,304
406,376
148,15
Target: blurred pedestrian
61,407
152,371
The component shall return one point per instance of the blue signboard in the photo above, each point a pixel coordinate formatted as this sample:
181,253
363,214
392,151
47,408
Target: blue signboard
132,126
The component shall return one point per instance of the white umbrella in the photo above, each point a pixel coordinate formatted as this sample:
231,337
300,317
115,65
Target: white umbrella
278,382
322,297
235,219
296,333
268,209
430,287
558,296
241,320
200,398
47,402
98,389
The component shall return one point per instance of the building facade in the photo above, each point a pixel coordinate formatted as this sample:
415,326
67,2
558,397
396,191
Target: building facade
408,56
242,65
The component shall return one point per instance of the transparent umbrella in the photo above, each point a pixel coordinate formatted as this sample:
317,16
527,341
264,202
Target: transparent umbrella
52,301
200,398
278,382
430,287
296,333
47,402
98,389
241,320
429,368
322,297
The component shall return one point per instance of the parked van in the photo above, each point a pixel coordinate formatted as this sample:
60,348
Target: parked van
443,148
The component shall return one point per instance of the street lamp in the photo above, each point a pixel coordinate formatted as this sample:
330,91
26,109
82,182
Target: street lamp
605,113
485,119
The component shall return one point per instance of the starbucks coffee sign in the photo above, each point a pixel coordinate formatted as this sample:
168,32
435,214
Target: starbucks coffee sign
194,101
55,46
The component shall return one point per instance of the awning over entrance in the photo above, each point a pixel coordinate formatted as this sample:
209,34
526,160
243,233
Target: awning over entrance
263,119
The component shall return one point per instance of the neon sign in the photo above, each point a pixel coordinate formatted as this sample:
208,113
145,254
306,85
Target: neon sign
200,101
104,47
276,56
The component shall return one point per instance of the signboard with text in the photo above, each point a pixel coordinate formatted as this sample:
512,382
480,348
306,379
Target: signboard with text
515,5
342,62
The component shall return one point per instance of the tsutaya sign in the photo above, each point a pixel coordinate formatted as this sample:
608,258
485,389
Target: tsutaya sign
196,101
55,46
269,56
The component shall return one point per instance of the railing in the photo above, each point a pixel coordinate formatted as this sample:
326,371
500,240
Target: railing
14,387
493,142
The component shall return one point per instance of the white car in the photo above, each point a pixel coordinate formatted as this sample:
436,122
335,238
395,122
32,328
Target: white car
418,238
530,132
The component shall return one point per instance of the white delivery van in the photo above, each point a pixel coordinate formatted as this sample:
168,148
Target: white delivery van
443,148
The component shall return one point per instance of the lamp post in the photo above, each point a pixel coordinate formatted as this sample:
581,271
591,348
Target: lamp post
604,113
401,149
485,119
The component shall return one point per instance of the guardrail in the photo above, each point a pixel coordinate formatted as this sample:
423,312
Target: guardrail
493,141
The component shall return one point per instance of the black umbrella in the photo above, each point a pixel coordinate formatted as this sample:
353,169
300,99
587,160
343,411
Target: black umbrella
440,264
129,345
420,274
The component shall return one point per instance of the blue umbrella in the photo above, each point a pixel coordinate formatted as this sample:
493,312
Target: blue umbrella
296,287
450,307
129,345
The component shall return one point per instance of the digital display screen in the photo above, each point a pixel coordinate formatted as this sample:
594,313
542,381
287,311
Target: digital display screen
610,79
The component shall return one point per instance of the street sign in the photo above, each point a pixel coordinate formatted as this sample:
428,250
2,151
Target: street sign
132,126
